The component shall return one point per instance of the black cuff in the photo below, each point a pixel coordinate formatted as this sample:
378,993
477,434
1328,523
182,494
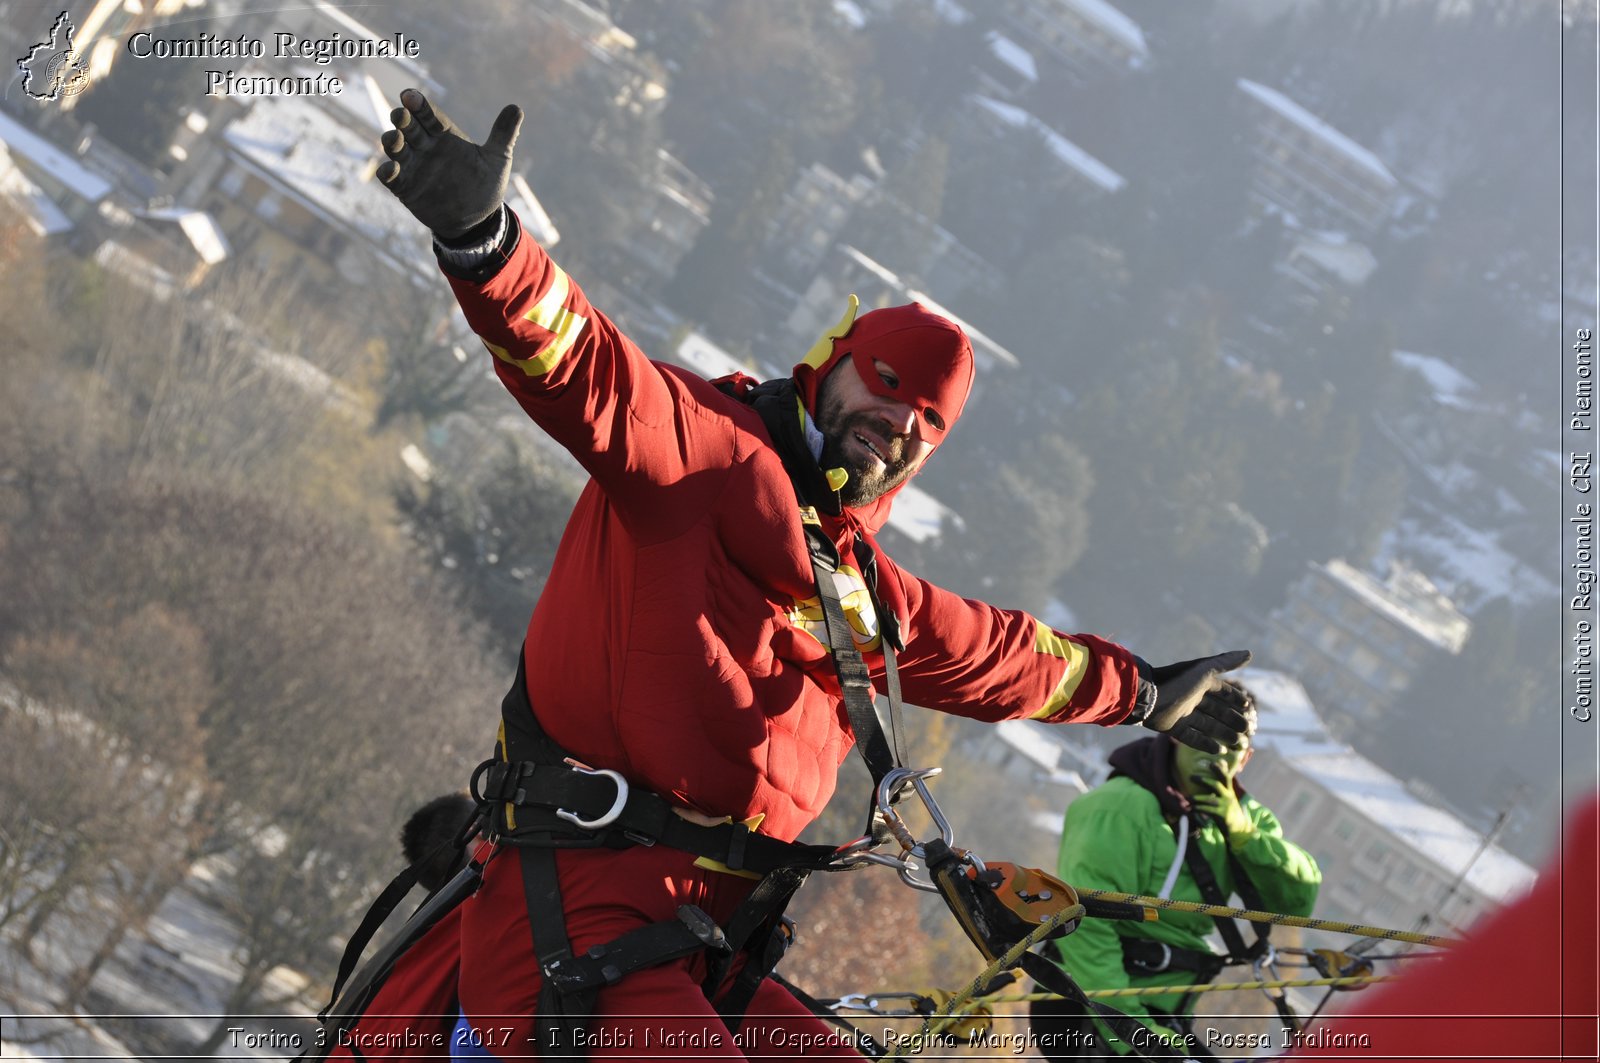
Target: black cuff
1144,702
491,261
477,236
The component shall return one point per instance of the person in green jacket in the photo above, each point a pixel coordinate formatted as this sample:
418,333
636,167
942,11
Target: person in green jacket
1167,820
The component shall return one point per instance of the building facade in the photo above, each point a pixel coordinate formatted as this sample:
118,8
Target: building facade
1309,170
1357,641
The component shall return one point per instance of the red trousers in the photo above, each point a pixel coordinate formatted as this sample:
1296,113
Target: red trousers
654,1013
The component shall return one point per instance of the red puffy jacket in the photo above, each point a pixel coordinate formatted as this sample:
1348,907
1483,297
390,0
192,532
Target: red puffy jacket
672,641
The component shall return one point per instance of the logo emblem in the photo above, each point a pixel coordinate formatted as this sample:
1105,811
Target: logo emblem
856,600
52,69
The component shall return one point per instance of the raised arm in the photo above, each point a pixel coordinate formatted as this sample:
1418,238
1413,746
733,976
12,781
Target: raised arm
633,426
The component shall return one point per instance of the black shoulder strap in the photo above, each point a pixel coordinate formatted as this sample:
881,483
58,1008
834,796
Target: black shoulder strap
854,682
889,628
1211,890
1130,1031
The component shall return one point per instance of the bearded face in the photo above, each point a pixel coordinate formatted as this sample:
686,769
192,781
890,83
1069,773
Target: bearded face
873,439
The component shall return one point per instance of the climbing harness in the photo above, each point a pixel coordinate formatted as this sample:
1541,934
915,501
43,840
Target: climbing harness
1004,909
534,799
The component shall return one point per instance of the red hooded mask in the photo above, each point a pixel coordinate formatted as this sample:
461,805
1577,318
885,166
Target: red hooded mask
929,354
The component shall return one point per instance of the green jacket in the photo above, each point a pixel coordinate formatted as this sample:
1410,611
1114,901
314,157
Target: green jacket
1118,837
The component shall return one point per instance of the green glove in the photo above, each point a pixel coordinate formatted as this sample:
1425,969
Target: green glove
447,182
1221,801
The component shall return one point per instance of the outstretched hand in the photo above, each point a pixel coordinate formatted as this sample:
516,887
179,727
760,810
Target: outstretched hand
1198,706
446,181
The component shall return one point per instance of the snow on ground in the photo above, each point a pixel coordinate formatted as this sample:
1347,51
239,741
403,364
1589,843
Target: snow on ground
157,996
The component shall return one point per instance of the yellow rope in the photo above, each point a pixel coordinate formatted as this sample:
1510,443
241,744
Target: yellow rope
936,1023
1358,929
1215,987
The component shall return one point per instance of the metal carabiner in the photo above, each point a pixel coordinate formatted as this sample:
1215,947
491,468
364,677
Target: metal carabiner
1265,968
856,1002
889,789
908,866
609,816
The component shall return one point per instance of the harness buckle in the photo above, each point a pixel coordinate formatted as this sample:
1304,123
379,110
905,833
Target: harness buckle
609,816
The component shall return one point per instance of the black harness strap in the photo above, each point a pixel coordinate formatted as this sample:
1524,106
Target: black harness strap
350,1001
538,796
1130,1031
855,683
647,946
560,1016
1144,956
889,625
760,930
1238,951
1211,890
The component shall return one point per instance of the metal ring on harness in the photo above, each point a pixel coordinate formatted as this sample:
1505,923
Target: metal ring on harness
609,816
1163,965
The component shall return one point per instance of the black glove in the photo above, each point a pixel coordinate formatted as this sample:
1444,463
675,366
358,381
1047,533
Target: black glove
446,181
1199,707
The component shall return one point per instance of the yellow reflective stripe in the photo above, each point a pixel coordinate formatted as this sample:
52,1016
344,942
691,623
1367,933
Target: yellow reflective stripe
1075,654
504,748
551,314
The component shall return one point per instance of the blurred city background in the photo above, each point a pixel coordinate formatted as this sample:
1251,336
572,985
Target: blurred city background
1267,301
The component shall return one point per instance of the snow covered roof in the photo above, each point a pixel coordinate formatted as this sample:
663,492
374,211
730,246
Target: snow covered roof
200,228
1113,22
1027,740
1012,54
1382,798
1451,387
952,12
296,145
1309,122
39,213
1410,599
982,346
706,358
918,515
45,157
1477,557
360,31
365,104
1286,720
520,198
1348,260
1290,726
1069,153
850,13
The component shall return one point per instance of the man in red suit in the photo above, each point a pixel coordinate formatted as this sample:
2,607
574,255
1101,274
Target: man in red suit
682,648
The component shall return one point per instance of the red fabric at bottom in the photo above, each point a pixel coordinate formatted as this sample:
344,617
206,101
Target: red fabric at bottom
654,1013
1521,986
414,1011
